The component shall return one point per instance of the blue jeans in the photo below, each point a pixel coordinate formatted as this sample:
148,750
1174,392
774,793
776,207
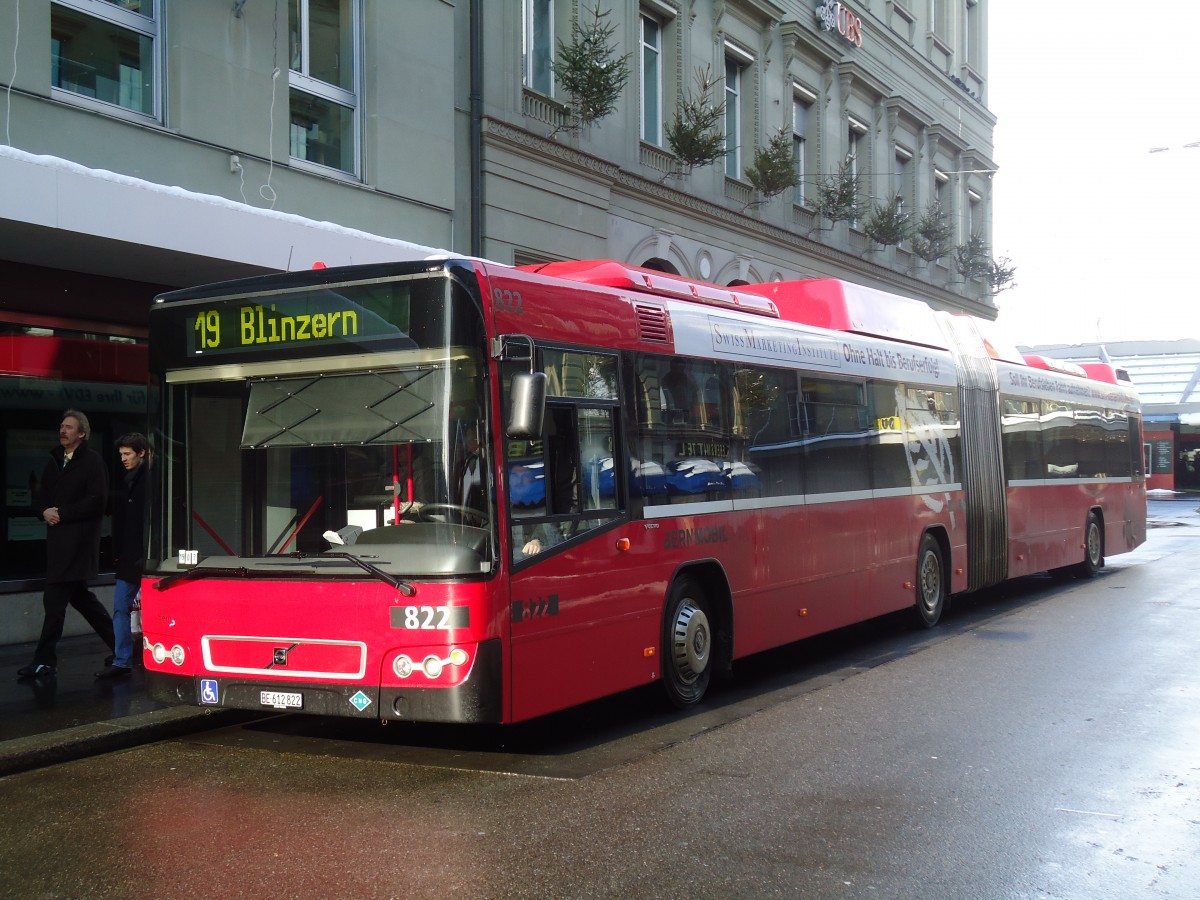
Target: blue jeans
123,597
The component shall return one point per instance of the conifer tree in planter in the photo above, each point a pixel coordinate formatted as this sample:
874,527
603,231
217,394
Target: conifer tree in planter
971,258
695,134
773,169
589,70
931,237
888,223
838,196
1000,274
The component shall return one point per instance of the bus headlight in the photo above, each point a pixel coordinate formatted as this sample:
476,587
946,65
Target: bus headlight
432,666
160,653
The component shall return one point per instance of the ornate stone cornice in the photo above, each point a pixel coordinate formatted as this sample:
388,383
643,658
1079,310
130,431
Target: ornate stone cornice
539,147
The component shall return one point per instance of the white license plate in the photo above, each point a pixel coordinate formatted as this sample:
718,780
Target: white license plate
281,700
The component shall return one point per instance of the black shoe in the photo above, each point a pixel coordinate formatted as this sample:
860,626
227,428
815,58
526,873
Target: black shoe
108,660
36,670
113,672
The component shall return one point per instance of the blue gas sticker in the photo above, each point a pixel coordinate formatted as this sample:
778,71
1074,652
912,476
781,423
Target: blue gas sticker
208,690
360,701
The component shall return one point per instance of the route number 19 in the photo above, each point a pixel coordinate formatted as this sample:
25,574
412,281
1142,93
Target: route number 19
208,329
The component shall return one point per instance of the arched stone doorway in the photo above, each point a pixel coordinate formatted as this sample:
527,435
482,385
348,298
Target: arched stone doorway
660,265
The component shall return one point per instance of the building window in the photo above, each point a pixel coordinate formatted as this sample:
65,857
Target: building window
901,186
937,17
537,46
854,135
801,106
106,51
974,219
58,363
733,117
323,77
652,32
974,38
853,140
940,194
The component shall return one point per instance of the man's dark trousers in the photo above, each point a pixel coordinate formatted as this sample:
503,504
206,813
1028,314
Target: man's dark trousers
57,597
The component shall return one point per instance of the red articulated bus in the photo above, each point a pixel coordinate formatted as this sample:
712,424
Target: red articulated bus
456,491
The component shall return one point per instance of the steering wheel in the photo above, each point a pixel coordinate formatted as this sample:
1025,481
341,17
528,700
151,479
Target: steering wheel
463,512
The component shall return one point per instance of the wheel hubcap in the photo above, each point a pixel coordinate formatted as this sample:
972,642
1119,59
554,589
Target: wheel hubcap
691,644
931,582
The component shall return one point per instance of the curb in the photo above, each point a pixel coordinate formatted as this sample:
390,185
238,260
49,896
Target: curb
40,750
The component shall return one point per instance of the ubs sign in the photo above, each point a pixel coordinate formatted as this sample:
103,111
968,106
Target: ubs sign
837,17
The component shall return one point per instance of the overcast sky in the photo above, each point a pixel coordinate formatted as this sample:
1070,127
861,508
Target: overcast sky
1105,235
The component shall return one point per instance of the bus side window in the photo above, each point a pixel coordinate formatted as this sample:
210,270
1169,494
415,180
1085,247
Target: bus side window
1021,426
835,457
767,424
562,462
680,406
1058,440
579,487
889,446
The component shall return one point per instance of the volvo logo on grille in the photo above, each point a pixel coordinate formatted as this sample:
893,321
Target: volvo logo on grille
280,658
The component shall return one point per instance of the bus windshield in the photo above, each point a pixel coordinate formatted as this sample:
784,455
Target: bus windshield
284,464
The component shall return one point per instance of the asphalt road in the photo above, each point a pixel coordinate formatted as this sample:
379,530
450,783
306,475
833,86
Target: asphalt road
1043,743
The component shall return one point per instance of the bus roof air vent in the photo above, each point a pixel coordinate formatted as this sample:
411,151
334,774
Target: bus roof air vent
1106,372
842,306
605,273
653,325
1061,366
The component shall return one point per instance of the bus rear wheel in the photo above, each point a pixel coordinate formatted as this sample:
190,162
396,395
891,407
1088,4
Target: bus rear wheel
931,583
1093,549
688,644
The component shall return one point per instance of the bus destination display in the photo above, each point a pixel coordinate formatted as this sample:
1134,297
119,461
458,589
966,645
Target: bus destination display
284,324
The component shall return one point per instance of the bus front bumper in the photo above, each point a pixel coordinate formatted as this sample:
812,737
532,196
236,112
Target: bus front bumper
477,700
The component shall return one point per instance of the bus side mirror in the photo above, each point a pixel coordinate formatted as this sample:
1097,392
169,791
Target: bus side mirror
527,409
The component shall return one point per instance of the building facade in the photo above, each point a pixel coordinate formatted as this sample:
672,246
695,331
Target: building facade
153,144
893,93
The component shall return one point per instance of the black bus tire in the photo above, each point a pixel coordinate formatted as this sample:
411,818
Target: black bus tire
1093,549
931,583
689,643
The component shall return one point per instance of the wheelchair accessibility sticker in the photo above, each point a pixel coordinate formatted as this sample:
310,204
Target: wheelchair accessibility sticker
208,690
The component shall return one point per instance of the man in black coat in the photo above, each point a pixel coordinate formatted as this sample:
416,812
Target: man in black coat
71,501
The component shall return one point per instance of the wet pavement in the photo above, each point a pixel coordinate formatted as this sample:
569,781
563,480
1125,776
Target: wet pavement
73,715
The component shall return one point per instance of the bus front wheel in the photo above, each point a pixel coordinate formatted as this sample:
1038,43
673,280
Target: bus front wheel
688,644
931,583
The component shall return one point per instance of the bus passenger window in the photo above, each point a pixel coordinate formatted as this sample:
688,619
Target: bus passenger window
836,430
1058,437
680,405
766,421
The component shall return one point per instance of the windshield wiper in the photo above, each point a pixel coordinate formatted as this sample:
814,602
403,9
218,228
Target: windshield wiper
244,572
402,586
208,572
